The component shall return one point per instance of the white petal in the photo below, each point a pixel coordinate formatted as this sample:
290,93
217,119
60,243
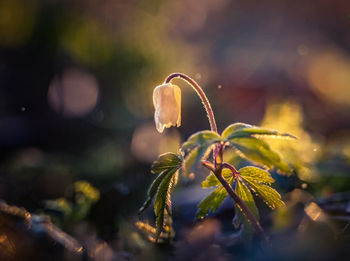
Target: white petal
160,126
177,94
167,104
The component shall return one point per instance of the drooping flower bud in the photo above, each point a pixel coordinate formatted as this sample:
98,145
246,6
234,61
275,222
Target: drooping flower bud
167,104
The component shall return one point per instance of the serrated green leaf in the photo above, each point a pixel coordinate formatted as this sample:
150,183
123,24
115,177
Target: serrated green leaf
240,130
198,147
261,132
165,161
152,191
201,138
244,193
256,174
167,166
212,181
233,128
259,151
193,159
162,200
211,202
271,197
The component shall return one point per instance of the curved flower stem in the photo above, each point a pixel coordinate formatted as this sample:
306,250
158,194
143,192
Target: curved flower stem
201,95
218,154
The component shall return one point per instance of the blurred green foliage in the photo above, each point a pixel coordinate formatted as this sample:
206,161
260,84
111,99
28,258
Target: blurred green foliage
81,197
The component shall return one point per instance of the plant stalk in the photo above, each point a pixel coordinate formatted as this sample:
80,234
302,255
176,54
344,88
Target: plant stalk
255,223
218,153
201,95
218,174
230,167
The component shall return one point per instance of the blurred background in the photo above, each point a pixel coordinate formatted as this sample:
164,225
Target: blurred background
77,135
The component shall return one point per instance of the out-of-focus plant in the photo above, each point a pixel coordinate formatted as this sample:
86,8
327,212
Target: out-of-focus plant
302,156
82,195
18,225
244,139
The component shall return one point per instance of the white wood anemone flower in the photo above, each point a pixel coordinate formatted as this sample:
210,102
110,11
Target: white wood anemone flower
167,104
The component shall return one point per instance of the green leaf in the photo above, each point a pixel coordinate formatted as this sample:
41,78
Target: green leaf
152,191
211,202
193,159
261,132
271,197
240,130
256,174
245,138
214,199
233,128
259,151
167,166
212,181
198,147
201,138
244,193
165,161
162,203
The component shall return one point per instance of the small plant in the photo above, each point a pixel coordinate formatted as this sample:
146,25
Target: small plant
246,140
80,197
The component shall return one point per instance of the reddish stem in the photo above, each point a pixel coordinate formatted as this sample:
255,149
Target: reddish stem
218,153
201,95
230,167
250,216
217,170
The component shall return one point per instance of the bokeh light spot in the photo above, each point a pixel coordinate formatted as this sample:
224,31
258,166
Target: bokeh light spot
314,212
75,94
328,75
